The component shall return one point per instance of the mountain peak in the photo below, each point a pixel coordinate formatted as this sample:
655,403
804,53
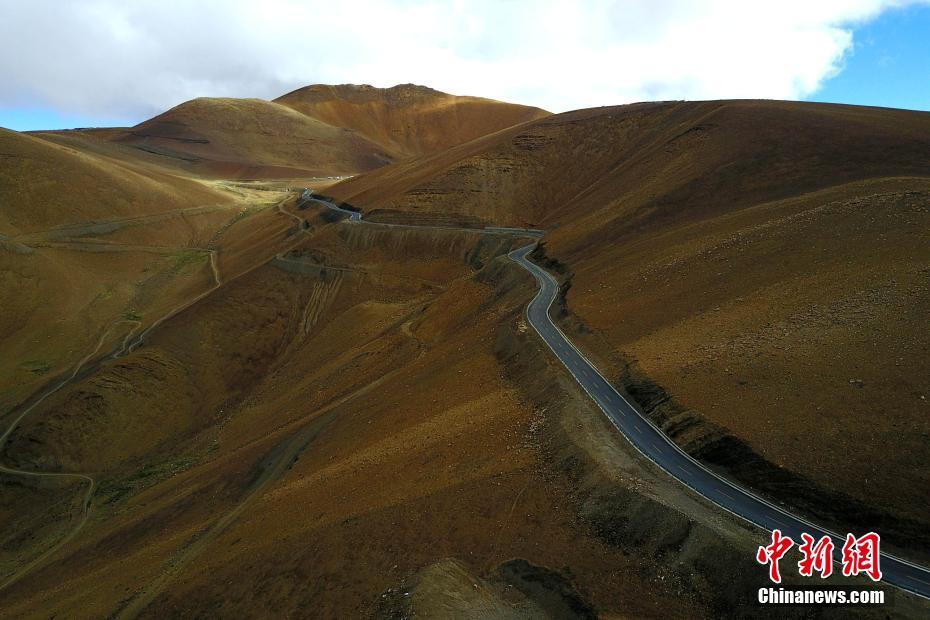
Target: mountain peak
407,119
363,93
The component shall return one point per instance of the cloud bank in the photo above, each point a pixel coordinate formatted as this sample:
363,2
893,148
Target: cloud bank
111,58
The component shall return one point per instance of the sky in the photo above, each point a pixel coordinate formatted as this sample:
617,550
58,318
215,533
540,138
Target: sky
112,62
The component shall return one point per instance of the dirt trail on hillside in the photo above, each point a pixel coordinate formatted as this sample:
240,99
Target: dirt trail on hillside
84,366
272,467
84,478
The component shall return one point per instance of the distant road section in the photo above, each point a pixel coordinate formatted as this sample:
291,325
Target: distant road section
525,232
307,195
646,437
657,447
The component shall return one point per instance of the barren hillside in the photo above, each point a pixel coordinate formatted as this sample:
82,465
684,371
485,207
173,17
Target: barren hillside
312,132
407,119
763,263
227,401
43,185
254,138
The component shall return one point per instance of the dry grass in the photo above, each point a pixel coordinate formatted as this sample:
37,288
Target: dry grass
354,405
764,261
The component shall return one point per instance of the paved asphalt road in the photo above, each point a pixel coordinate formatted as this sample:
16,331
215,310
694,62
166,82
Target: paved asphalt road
656,446
653,443
354,216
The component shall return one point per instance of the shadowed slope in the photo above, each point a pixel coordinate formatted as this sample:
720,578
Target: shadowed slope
763,262
654,161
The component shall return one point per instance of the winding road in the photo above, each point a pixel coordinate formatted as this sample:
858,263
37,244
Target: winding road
661,450
648,439
307,195
653,443
355,216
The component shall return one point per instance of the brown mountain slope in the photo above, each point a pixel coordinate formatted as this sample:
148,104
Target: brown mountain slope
347,390
408,119
764,262
252,137
89,243
43,185
653,161
315,131
332,383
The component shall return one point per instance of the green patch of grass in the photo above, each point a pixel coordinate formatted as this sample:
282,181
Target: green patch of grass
185,258
36,367
131,315
116,489
244,213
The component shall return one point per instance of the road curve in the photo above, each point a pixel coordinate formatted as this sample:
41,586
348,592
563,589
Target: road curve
657,447
307,195
355,217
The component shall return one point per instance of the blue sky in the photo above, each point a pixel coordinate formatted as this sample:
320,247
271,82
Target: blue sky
28,118
889,64
116,63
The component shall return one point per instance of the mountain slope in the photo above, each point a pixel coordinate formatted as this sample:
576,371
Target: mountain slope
407,119
315,131
87,240
653,161
43,185
252,137
753,273
761,264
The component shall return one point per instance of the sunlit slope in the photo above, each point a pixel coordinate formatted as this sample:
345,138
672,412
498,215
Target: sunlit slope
43,185
90,247
408,119
316,131
229,137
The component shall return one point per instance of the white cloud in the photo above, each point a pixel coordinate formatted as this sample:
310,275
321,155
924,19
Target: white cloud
134,59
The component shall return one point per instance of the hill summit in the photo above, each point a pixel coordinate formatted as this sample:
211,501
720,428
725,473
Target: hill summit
407,119
317,130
